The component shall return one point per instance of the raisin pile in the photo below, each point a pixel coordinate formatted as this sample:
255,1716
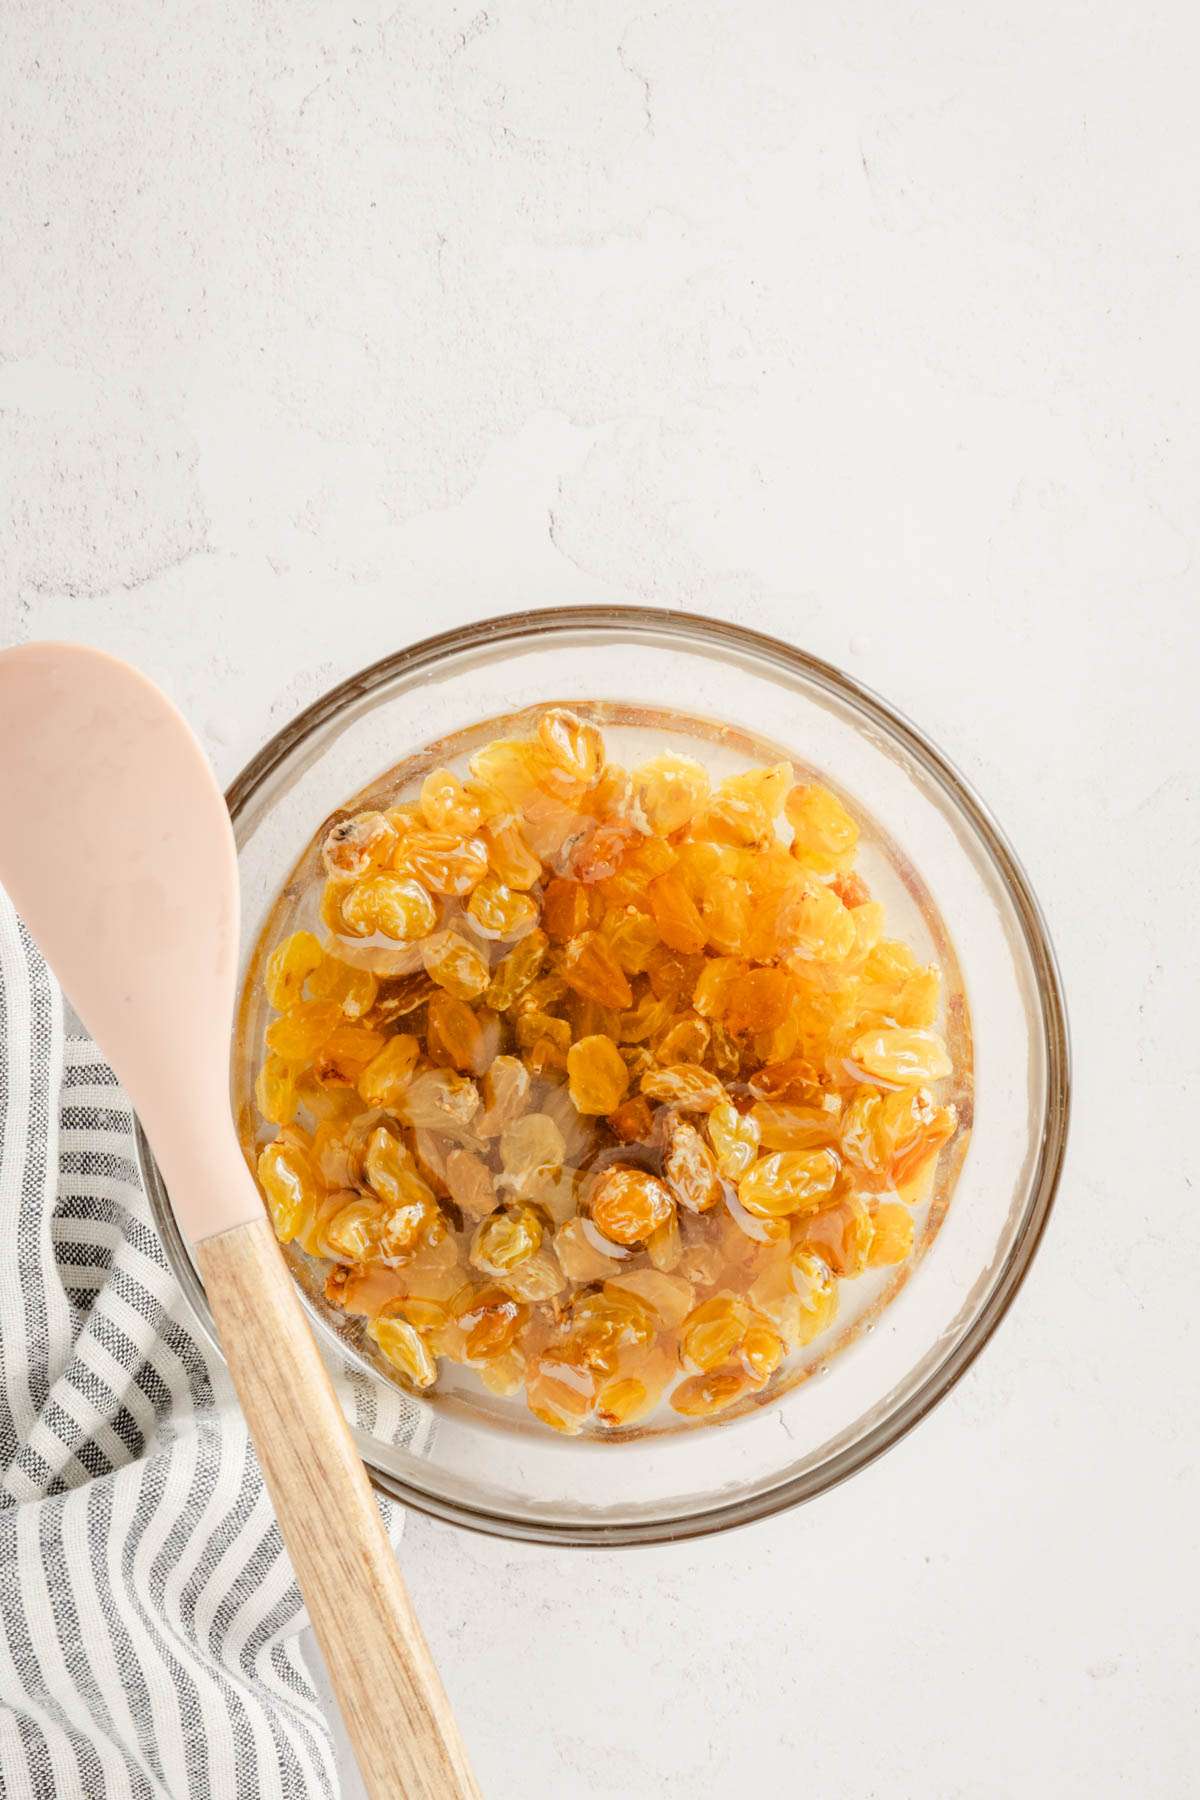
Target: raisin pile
599,1081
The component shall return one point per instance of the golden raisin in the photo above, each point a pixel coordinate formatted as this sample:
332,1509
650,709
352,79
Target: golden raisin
691,1168
668,1296
590,968
632,937
442,862
288,968
290,1185
675,913
506,1089
628,1204
624,1399
668,792
603,1325
390,905
684,1085
893,1235
559,1392
458,1036
500,911
353,847
447,806
687,1041
491,1320
725,911
531,1153
602,853
785,1126
760,1351
812,924
505,1239
758,1001
455,964
712,1332
787,1181
275,1091
346,1054
664,1247
824,836
537,1279
388,1074
632,1121
299,1033
579,1256
439,1099
470,1183
841,1235
405,1349
702,1395
902,1057
597,1076
571,745
354,990
510,859
565,909
514,972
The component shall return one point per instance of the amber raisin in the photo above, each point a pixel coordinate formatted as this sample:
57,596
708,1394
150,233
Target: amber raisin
275,1091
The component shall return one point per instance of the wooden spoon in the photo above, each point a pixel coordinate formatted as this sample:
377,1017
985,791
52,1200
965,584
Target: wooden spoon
116,847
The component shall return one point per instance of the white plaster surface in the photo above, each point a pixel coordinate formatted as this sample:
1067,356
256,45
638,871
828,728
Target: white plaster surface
327,325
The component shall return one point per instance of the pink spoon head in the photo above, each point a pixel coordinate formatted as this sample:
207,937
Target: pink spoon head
116,848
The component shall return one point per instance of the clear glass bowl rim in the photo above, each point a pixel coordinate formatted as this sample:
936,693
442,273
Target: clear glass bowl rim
714,633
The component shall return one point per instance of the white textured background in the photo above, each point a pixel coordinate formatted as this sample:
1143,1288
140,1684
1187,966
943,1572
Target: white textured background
326,325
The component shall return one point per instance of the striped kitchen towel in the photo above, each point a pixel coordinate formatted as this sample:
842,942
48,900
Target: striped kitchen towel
148,1614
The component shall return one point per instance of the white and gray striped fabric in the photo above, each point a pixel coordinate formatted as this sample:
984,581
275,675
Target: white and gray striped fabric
148,1615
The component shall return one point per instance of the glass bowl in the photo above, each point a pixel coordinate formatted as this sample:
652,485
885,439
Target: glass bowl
953,889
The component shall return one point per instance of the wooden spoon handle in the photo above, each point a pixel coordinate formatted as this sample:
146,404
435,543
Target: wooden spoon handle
396,1711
